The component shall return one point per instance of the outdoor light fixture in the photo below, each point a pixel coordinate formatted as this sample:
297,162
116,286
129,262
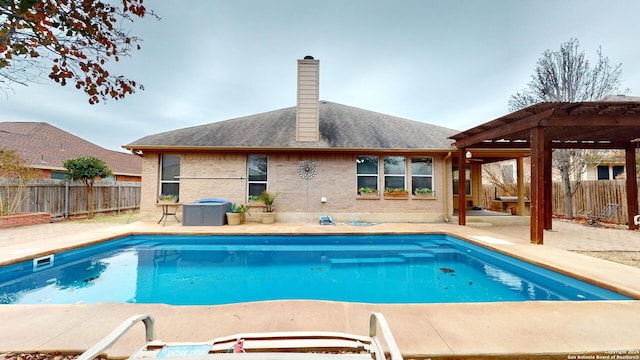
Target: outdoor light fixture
468,155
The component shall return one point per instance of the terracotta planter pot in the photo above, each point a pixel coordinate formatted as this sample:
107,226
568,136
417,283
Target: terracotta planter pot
268,217
234,218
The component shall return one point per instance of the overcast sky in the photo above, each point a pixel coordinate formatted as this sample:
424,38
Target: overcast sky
449,63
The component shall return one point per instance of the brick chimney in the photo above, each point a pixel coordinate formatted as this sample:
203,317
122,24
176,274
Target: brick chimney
308,111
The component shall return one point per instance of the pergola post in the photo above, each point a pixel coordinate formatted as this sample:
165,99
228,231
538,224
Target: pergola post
631,184
547,186
520,183
537,140
462,189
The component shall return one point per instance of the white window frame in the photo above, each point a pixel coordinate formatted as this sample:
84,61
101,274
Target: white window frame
428,176
392,175
375,175
176,178
266,174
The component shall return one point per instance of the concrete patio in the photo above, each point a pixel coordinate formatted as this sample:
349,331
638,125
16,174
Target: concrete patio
469,330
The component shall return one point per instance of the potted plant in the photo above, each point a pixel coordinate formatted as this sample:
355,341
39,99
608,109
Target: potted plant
269,216
423,192
167,198
242,209
396,192
236,214
368,192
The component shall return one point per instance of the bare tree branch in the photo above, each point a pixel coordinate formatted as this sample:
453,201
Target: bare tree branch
567,75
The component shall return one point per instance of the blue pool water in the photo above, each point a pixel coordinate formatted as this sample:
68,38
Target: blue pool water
208,270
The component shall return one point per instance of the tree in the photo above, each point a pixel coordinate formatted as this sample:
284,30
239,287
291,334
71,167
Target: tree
502,177
87,170
15,175
566,75
72,40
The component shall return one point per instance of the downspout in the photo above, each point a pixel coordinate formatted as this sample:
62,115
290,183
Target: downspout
444,186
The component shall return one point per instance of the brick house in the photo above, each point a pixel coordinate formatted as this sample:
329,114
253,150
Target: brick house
317,155
46,147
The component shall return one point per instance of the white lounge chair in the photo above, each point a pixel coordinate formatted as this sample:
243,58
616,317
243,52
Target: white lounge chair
293,345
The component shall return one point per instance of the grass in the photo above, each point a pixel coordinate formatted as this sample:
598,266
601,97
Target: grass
113,218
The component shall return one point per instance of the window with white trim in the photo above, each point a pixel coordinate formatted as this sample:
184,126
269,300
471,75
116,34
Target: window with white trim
256,174
421,173
170,174
395,170
367,172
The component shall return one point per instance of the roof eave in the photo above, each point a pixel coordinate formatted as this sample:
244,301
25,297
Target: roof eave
134,149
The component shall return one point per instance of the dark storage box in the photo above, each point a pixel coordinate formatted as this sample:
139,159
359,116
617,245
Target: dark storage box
205,212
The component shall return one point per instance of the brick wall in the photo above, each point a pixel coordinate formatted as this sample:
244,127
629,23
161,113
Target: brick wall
24,219
222,175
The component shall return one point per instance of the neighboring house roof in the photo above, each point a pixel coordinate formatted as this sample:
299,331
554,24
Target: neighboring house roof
341,127
46,147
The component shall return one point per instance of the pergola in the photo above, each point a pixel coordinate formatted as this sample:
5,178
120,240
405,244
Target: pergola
557,125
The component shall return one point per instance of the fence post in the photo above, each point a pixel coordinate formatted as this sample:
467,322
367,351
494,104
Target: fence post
119,196
37,198
66,199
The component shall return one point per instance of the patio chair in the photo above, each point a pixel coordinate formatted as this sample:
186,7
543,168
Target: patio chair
605,214
292,345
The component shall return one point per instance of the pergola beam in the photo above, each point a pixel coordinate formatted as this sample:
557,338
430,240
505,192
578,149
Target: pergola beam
630,120
502,130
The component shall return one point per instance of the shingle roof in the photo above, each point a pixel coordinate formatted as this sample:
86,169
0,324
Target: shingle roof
45,146
341,127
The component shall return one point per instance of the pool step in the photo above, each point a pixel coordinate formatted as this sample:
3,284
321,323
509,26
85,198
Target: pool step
433,243
442,251
417,256
369,260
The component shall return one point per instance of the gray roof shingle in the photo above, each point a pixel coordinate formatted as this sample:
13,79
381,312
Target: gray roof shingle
341,127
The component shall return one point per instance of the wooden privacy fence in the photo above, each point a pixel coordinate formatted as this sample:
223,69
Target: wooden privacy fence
69,199
591,196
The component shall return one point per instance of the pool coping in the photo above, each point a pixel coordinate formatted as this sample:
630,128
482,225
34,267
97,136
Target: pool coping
422,330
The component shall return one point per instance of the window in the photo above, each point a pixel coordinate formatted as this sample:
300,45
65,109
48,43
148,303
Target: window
367,172
456,177
58,175
395,168
609,173
256,174
603,172
421,173
170,174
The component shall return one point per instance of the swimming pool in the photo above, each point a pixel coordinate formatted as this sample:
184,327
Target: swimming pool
218,269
